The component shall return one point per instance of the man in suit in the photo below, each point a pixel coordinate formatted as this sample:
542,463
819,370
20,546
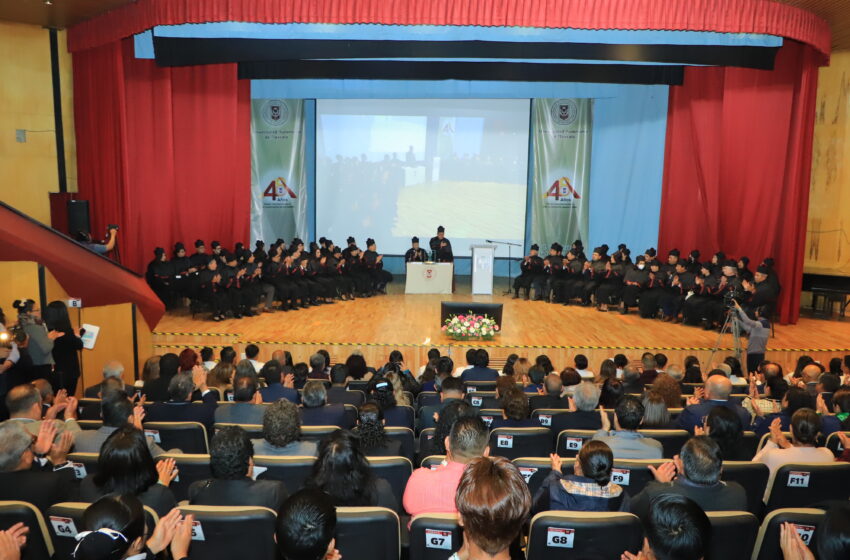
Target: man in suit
280,383
479,370
338,393
25,408
450,391
625,441
35,472
117,411
246,407
649,373
552,398
232,467
112,370
317,367
631,381
282,432
718,387
441,246
316,412
583,415
695,474
180,408
156,390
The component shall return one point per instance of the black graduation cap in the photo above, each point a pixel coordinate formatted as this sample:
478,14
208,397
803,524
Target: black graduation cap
602,250
640,258
441,229
721,256
695,255
730,263
259,244
763,269
415,240
621,246
674,253
706,265
745,260
215,244
578,244
535,247
350,240
199,243
179,247
322,240
159,251
651,252
370,242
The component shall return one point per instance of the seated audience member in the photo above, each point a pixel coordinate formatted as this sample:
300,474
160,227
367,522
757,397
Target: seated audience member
536,376
428,379
588,489
305,528
338,393
232,467
117,411
656,416
446,418
570,378
317,367
114,527
693,373
520,369
677,375
35,472
470,362
207,358
632,384
841,407
279,383
300,371
480,371
179,407
810,375
649,373
724,427
669,390
833,542
373,437
770,400
227,355
380,390
220,378
395,379
620,363
625,441
805,427
156,390
315,411
25,408
433,490
111,370
357,368
795,399
125,466
584,416
493,503
607,370
282,432
736,372
515,411
342,471
251,353
150,370
676,528
580,362
553,397
611,392
826,387
91,410
433,354
543,361
694,473
246,407
717,391
186,360
451,390
660,363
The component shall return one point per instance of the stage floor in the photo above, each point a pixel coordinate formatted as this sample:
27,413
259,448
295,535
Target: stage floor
411,323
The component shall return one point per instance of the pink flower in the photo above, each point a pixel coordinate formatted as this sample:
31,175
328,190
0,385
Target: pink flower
496,327
444,328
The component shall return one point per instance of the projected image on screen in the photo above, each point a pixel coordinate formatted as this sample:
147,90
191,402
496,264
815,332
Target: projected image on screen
394,168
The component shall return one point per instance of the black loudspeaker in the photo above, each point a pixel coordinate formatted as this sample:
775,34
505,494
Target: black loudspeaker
78,217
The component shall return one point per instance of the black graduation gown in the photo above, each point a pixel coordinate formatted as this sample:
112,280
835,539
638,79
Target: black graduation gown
274,274
444,254
635,281
530,268
671,304
160,276
593,277
694,308
415,255
763,299
213,293
543,284
375,268
650,298
611,288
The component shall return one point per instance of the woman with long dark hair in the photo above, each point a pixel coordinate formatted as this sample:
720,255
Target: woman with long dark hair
357,369
39,342
66,348
723,426
373,437
125,466
343,473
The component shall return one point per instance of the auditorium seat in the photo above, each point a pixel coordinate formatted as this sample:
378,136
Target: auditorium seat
434,536
671,440
426,443
753,477
368,532
489,414
484,399
90,424
570,442
801,485
427,398
291,470
317,433
766,438
65,520
535,470
546,415
834,444
749,443
520,442
188,437
255,431
476,386
586,534
808,522
733,534
352,414
432,461
351,397
396,471
406,437
228,532
357,385
634,474
191,467
39,544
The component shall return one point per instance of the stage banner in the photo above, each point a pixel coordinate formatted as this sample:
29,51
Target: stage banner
559,203
278,171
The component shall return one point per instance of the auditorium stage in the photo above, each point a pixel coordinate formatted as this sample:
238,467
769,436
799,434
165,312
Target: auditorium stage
410,323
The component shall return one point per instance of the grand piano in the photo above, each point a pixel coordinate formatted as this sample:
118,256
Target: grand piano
828,290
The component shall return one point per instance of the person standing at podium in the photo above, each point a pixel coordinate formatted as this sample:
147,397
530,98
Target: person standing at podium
442,246
415,253
532,268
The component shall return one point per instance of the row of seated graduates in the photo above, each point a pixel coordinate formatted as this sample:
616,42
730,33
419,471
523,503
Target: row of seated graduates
680,289
283,278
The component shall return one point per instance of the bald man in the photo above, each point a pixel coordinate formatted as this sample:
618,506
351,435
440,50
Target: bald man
718,387
810,374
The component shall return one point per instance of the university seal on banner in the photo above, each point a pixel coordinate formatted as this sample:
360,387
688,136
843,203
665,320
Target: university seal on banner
275,112
564,112
428,273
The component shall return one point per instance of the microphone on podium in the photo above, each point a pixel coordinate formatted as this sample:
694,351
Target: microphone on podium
488,241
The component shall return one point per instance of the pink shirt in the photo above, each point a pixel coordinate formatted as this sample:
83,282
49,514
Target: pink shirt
433,490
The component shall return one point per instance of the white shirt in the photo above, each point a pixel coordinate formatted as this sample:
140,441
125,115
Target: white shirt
459,371
257,365
619,373
774,457
209,365
585,373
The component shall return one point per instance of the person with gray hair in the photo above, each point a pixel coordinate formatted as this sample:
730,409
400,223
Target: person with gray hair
718,387
282,432
247,407
694,473
316,412
676,373
553,397
179,407
111,369
25,408
317,367
631,381
582,404
649,372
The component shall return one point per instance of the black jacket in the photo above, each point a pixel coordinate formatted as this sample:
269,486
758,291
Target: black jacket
241,492
41,488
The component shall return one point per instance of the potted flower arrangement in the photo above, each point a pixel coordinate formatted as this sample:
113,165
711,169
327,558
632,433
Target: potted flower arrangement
470,327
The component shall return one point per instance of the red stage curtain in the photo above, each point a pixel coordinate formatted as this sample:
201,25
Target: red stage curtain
737,165
165,152
725,16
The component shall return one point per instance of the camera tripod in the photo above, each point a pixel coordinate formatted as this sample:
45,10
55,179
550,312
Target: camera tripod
730,324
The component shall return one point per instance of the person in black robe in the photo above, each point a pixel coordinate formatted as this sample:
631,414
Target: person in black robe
199,258
650,298
610,290
318,266
260,255
705,286
212,292
357,271
681,285
744,272
275,286
160,277
717,262
351,246
336,267
635,281
374,264
415,253
531,267
594,272
571,275
668,269
650,255
231,284
251,282
730,284
301,275
760,294
578,247
441,247
692,263
551,266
